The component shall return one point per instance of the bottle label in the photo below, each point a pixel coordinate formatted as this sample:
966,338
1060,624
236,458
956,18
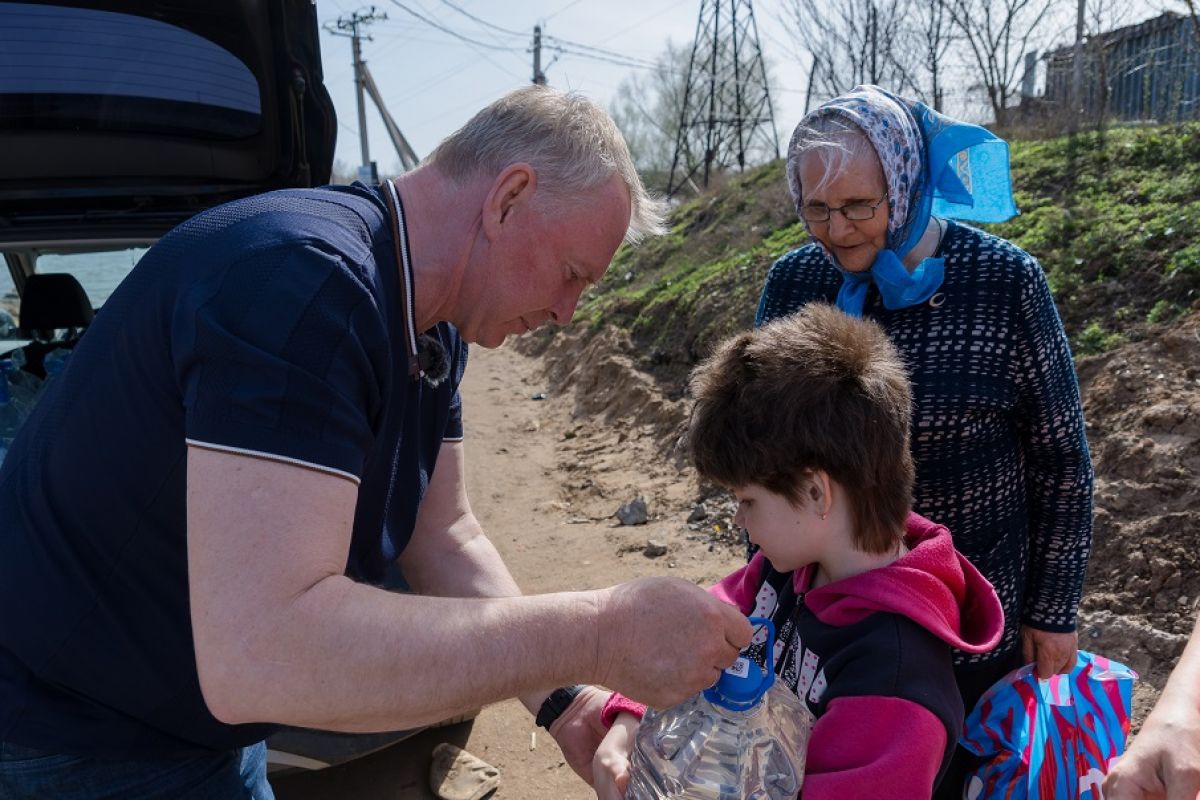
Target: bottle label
739,668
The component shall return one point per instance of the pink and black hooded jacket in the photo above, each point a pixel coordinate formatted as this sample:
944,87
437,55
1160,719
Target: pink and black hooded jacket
870,655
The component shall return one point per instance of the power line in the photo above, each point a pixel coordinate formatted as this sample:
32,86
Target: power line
643,21
452,32
633,60
567,43
474,45
620,63
481,21
558,44
572,4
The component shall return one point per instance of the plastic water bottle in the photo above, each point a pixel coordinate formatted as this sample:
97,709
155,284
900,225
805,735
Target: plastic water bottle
10,415
55,362
742,739
23,387
8,325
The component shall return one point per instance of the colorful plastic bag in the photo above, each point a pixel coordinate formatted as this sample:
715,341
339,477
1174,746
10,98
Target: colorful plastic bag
1053,739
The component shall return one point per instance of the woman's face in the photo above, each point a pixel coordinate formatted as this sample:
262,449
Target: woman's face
855,180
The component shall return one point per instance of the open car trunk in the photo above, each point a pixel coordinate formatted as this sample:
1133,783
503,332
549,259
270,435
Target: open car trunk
121,118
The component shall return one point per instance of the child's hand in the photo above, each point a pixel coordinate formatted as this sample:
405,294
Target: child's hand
610,766
578,730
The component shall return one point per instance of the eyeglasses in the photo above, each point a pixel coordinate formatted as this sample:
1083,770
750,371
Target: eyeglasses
855,212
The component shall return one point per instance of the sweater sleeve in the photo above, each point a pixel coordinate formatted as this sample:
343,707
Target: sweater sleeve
1058,466
769,301
873,747
796,278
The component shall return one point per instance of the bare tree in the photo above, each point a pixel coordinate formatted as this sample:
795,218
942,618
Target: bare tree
929,38
647,108
852,42
998,33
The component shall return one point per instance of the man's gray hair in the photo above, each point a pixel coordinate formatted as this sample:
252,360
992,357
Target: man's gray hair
570,141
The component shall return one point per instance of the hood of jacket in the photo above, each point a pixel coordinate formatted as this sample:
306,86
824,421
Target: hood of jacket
932,584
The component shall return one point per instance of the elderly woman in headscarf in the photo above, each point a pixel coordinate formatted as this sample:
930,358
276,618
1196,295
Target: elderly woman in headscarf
997,431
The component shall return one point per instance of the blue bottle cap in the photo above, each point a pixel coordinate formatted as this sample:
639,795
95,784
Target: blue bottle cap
744,683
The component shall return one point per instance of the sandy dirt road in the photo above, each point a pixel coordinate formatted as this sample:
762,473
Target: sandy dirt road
543,482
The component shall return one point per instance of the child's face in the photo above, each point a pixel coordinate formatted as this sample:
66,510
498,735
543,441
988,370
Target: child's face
789,536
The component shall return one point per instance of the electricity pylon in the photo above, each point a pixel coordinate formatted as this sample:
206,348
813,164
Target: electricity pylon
726,113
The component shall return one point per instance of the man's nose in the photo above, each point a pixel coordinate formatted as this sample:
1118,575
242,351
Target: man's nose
562,311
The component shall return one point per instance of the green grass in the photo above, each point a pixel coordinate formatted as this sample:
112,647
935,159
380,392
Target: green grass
1114,220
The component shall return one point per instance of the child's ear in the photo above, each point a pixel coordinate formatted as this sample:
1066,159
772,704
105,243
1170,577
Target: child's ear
820,491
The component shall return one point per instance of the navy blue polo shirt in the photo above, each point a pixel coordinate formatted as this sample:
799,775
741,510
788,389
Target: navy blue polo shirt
269,326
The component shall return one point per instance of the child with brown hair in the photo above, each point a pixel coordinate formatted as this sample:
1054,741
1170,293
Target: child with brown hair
806,420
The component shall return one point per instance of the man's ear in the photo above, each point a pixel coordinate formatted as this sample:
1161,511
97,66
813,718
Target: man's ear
511,193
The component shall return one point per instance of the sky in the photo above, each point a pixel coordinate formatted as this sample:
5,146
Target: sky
432,81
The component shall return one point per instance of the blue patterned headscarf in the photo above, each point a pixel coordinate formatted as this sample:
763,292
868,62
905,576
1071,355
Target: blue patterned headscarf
932,165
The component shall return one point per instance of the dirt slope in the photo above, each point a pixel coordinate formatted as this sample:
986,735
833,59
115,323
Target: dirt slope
545,477
1142,405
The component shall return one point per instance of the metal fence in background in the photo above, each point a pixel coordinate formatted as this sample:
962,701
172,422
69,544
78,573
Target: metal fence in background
1145,72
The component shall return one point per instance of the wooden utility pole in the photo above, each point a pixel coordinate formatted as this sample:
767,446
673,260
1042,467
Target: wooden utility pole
349,26
539,77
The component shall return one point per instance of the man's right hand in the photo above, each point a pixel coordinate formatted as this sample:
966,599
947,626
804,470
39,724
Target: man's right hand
662,640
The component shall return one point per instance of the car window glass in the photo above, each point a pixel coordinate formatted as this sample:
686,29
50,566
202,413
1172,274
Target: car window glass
8,302
65,67
98,273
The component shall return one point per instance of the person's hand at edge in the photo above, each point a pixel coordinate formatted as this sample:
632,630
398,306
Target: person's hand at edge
1051,652
1164,761
578,730
610,767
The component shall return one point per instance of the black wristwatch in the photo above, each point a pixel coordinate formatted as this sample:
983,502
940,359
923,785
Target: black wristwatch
554,705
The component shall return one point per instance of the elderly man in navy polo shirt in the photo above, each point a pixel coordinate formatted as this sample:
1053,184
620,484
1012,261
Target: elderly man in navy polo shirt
264,416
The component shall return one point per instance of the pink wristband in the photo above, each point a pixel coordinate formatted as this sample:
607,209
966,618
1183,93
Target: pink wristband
616,704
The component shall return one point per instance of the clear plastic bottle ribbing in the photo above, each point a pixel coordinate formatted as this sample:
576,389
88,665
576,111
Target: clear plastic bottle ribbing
743,739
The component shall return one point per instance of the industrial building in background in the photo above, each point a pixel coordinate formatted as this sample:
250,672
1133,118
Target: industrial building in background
1146,72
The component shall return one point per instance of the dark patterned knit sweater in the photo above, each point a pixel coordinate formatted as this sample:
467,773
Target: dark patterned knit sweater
997,429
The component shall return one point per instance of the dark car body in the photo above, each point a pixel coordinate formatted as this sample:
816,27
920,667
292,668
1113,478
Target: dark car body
119,119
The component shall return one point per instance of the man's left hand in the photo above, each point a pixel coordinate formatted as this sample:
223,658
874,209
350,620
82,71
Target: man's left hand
1052,652
578,730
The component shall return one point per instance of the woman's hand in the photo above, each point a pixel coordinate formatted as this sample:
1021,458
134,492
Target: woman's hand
579,732
610,767
1051,652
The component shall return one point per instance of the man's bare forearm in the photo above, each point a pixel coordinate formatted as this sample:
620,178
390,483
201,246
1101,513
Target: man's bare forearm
465,563
350,657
